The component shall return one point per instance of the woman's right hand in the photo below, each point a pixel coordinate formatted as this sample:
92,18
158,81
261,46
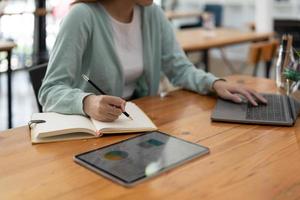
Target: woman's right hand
103,107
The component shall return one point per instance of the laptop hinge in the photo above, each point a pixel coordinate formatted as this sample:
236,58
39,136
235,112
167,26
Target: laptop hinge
292,108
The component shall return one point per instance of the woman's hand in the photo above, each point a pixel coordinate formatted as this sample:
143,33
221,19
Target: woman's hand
233,91
103,107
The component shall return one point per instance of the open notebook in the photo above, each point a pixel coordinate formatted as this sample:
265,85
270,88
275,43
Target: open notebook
60,127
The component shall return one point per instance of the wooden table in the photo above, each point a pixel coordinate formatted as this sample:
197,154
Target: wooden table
8,46
199,39
246,161
183,14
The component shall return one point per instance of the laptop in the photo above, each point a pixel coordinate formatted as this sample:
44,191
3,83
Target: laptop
280,110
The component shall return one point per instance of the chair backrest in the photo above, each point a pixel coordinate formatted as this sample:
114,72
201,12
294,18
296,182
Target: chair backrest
262,51
288,26
36,74
217,11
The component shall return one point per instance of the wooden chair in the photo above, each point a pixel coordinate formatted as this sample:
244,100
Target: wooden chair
36,74
288,26
262,52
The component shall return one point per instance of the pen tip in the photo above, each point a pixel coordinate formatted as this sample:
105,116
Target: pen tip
85,77
130,117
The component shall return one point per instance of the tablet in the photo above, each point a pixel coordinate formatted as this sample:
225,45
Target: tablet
136,159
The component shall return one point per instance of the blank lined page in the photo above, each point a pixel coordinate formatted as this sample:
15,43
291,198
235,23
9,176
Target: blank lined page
57,124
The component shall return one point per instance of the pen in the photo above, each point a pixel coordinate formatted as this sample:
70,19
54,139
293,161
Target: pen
95,86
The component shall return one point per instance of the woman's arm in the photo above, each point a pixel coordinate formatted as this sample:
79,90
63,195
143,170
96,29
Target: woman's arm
181,72
58,92
176,66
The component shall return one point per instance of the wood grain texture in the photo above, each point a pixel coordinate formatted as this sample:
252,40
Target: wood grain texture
197,39
246,161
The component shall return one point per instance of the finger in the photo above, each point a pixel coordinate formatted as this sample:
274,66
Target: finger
123,106
116,101
248,95
106,113
259,97
232,97
99,133
110,111
106,117
101,117
114,110
111,117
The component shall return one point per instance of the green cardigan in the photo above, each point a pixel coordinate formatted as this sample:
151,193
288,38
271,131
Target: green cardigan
84,45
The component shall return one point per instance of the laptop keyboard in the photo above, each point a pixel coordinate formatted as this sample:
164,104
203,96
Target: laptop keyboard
273,111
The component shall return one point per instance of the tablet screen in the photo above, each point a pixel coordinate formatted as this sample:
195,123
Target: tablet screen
140,157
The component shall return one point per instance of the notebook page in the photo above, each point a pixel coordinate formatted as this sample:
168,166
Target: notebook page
58,124
140,121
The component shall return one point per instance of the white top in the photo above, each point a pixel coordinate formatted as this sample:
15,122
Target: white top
129,48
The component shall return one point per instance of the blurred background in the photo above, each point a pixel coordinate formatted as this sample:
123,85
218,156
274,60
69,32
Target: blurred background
32,26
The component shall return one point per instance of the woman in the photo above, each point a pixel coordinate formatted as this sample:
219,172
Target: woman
123,46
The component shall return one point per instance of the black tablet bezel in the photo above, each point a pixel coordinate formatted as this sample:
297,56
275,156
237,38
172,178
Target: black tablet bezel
124,182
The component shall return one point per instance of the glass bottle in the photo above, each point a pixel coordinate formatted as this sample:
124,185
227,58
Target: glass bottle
285,60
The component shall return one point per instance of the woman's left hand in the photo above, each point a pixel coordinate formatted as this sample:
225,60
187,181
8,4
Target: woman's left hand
232,92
